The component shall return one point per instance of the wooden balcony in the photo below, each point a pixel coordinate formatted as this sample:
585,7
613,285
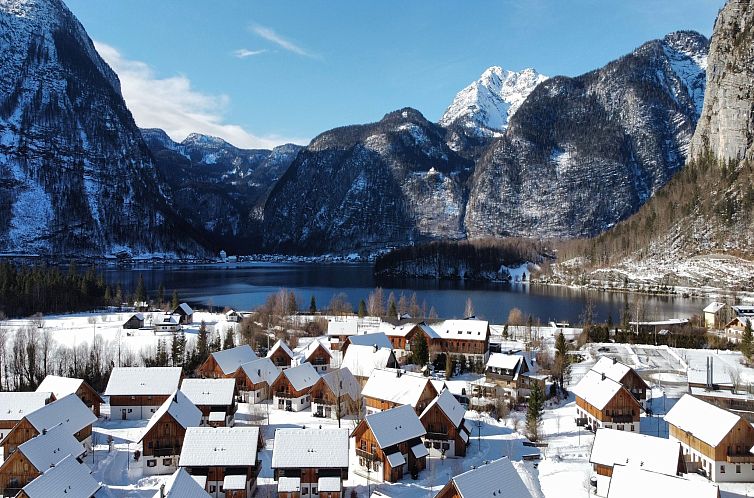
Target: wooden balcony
437,436
734,457
167,451
365,454
621,419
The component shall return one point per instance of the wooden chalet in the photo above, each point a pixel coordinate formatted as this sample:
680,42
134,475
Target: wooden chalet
135,321
447,434
215,398
627,376
510,373
184,313
291,390
69,478
163,436
714,440
363,360
389,444
603,402
402,338
341,328
388,388
254,380
498,478
233,316
68,413
15,405
336,394
137,392
318,355
225,363
166,324
467,339
281,355
225,458
63,386
310,462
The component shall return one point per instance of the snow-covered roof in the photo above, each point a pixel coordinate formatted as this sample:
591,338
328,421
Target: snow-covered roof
743,310
630,482
166,319
301,376
182,485
714,307
720,376
506,361
280,344
703,420
362,360
342,381
498,478
402,330
49,448
612,368
449,405
68,478
230,359
342,327
289,484
310,448
68,411
329,484
395,426
234,482
378,339
613,447
15,405
596,389
138,316
219,447
469,329
310,348
209,391
140,381
261,370
60,386
395,385
185,308
180,408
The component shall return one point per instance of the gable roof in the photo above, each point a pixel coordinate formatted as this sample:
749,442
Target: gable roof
612,447
15,405
69,412
181,485
630,482
612,368
693,415
59,386
394,426
596,389
68,478
374,339
362,360
505,361
219,447
404,388
496,479
280,344
261,370
184,308
180,408
49,448
310,448
449,406
714,307
230,359
166,319
342,381
469,329
312,347
209,391
139,381
301,376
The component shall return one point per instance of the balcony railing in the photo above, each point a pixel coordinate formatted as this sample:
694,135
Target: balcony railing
437,436
365,454
323,402
163,452
621,419
282,394
733,457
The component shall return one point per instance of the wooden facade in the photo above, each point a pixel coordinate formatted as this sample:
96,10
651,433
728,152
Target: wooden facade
164,440
216,475
23,431
283,388
621,410
734,447
633,382
427,395
441,430
368,452
281,358
310,477
90,397
211,370
320,357
449,491
16,472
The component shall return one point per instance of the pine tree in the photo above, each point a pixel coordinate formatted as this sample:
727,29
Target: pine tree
229,341
535,411
312,305
161,295
392,311
202,343
362,309
174,301
140,295
419,350
746,340
292,304
562,365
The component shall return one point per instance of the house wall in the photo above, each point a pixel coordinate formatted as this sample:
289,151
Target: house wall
281,359
16,472
137,407
320,359
161,446
622,412
374,405
364,438
211,370
449,491
6,426
441,431
89,397
635,385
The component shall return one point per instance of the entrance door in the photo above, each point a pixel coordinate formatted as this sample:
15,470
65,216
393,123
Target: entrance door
123,414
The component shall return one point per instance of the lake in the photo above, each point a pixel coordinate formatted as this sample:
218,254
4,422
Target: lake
245,286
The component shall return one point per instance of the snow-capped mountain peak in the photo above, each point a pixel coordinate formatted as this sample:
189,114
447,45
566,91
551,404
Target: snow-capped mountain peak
687,54
485,106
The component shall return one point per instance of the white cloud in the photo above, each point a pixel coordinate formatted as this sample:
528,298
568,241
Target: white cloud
242,53
173,105
273,36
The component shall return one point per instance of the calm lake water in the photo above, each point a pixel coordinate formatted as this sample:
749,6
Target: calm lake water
246,285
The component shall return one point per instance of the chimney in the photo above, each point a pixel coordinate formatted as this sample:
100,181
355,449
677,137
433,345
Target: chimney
603,376
615,360
259,372
162,490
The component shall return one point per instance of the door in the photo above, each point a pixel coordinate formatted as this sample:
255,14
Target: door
123,414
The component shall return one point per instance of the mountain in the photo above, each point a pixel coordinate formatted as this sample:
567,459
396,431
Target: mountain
484,107
75,175
582,153
369,186
217,186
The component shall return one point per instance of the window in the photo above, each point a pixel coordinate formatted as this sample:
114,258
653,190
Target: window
130,410
167,462
212,488
314,490
738,469
151,463
722,469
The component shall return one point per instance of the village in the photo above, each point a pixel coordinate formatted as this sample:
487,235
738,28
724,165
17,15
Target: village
384,407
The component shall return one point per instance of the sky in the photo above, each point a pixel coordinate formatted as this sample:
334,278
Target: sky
259,74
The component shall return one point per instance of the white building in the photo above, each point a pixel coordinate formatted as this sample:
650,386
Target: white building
166,323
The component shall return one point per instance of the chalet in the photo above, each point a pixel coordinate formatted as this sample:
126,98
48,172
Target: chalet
233,316
388,388
212,397
291,390
225,456
225,363
137,392
254,380
69,478
603,402
63,386
135,321
389,445
630,481
166,324
734,329
317,354
164,434
714,440
717,314
184,313
310,462
447,434
374,339
510,373
340,328
363,360
336,394
402,338
181,485
15,405
627,376
69,413
498,478
611,448
35,456
281,355
467,339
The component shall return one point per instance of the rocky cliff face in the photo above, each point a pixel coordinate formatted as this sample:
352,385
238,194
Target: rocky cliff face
726,128
75,174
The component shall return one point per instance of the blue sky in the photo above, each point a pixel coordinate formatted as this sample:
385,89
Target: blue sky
263,73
